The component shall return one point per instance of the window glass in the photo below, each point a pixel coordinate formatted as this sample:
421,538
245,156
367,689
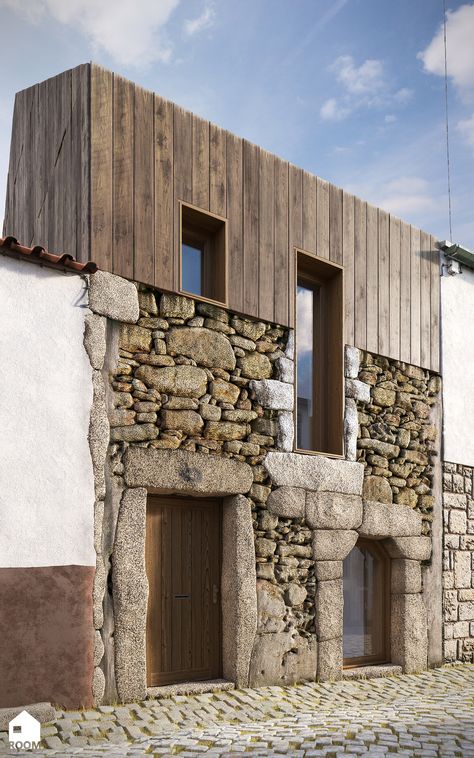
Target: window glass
364,602
304,354
192,269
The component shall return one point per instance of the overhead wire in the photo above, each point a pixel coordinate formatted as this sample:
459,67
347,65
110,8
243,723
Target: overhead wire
448,162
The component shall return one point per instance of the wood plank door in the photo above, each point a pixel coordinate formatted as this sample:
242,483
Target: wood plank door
183,563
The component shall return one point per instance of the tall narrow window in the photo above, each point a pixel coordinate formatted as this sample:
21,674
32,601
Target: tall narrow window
366,600
203,254
319,354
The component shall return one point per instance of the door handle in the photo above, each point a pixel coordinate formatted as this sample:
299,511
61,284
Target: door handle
215,593
182,597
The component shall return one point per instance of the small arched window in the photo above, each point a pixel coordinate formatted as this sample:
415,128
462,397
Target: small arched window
366,604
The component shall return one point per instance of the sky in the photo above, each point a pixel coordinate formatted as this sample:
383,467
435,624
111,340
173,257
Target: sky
351,90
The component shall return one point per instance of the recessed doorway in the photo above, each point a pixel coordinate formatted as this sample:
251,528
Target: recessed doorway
183,565
366,605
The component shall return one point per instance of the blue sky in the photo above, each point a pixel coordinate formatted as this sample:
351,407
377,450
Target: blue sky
351,90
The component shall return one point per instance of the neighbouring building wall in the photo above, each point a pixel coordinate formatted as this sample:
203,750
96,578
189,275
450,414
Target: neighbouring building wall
458,563
457,304
46,489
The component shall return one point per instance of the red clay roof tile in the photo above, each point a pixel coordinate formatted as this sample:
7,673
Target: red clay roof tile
64,262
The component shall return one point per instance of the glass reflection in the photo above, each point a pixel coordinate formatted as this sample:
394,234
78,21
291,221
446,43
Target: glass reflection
191,258
362,619
304,357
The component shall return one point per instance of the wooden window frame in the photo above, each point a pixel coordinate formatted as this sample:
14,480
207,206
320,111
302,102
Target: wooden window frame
383,608
328,379
207,231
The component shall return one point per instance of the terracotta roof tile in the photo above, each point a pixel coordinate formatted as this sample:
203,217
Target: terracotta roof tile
64,262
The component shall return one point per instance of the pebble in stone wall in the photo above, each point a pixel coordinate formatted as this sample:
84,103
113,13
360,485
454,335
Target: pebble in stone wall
458,562
193,376
397,437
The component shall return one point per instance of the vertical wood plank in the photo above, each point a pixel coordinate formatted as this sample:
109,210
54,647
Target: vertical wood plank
309,212
101,167
415,337
295,231
384,283
200,175
335,224
360,273
84,177
348,263
183,174
394,286
217,171
282,254
425,277
251,157
124,172
266,296
322,238
234,192
405,292
164,194
144,229
372,279
435,305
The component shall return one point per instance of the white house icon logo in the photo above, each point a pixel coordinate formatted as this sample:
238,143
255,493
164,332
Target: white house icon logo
24,732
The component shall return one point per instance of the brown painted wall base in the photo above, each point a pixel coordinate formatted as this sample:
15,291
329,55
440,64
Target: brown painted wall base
46,636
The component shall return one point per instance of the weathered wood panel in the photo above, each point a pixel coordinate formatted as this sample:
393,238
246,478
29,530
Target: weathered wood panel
360,273
372,278
143,196
348,263
102,168
124,176
164,195
282,260
112,162
250,241
266,233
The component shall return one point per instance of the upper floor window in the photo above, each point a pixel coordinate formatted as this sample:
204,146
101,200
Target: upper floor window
319,355
203,254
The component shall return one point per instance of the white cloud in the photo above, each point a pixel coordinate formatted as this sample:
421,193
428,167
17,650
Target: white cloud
466,127
459,35
408,195
131,33
363,86
204,21
333,110
390,118
366,79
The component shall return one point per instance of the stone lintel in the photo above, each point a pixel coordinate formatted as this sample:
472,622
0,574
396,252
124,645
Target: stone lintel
186,473
287,502
389,520
315,472
413,548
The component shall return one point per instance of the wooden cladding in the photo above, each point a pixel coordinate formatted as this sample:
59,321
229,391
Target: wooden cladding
98,168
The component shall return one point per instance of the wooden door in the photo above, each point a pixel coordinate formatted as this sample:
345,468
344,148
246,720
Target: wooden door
183,563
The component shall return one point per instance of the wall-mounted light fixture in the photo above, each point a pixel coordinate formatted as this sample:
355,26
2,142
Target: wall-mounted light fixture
457,253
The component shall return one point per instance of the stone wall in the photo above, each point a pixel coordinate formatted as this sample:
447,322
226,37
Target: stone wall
192,376
397,435
458,562
190,390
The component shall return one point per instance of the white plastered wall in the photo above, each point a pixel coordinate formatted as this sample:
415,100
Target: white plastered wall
46,481
457,330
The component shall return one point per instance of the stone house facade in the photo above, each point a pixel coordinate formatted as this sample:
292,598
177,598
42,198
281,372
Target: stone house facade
266,492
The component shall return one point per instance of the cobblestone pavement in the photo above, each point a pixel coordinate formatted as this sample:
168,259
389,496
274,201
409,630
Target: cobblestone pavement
429,714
